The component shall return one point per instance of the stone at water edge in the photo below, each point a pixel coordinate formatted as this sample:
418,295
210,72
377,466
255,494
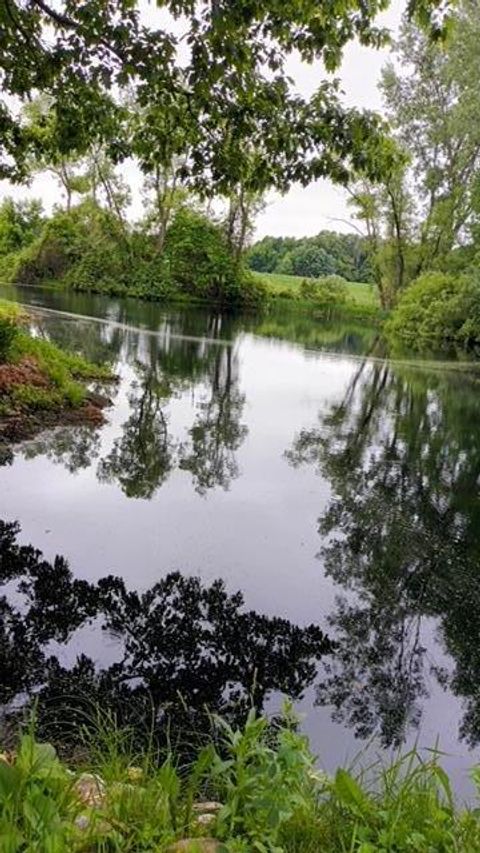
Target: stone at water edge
210,807
90,790
205,819
206,813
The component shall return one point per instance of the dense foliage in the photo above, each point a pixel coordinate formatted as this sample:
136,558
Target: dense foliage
328,253
20,223
329,292
247,125
90,248
438,309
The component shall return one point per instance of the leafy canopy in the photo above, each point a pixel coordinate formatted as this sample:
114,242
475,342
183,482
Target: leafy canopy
231,96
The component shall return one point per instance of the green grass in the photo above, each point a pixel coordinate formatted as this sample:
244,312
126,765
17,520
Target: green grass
60,365
64,374
280,285
270,797
9,311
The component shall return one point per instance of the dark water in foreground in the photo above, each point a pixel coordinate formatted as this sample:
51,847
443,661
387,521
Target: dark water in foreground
338,493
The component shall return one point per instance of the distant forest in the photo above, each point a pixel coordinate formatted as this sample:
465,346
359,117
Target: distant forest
329,253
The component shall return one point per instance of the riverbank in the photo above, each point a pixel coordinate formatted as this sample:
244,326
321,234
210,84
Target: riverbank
251,789
42,385
265,294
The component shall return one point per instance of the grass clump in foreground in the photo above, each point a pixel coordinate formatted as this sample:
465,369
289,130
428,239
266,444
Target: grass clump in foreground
251,789
35,374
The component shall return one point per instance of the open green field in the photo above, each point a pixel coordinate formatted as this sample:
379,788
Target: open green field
363,293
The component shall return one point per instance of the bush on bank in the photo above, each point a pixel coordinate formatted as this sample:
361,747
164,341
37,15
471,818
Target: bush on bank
37,375
252,789
91,249
437,309
329,292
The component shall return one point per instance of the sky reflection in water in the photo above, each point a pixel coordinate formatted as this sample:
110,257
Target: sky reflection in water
335,493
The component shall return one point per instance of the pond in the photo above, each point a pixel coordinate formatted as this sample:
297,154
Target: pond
337,491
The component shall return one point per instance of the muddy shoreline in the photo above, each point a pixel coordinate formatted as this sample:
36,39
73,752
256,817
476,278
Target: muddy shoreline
24,425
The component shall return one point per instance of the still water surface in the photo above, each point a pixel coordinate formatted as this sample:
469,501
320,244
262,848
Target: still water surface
338,492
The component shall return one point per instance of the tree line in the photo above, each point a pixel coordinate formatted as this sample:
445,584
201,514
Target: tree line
328,253
213,114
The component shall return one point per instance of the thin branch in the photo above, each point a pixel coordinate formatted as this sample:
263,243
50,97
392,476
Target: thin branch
61,20
346,222
70,23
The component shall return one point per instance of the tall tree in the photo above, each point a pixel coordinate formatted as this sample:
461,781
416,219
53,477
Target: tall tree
433,101
425,206
385,210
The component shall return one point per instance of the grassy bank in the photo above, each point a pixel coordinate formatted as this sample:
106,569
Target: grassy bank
288,286
254,789
41,384
89,249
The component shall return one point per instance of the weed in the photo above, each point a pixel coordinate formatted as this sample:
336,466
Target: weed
273,799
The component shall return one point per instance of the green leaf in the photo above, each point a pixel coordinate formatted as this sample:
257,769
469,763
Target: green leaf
10,780
350,794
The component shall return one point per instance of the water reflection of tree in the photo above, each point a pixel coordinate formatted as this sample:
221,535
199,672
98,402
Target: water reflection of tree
187,353
74,447
217,433
402,538
143,456
146,453
181,646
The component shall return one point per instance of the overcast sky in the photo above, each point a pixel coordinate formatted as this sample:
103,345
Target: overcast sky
305,211
302,211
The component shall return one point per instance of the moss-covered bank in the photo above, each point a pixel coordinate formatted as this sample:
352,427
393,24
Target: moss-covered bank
42,385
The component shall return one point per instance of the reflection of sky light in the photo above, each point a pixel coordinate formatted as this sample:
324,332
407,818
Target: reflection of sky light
262,533
303,210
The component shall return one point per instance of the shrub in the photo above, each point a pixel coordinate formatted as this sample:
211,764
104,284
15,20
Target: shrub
85,246
286,293
437,309
198,259
254,293
329,292
8,332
